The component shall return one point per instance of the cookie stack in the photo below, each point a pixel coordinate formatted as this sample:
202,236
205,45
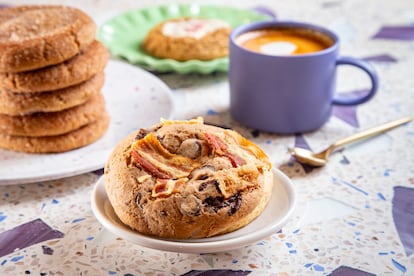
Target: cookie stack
51,75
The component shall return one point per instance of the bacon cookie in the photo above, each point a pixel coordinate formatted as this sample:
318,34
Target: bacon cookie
186,179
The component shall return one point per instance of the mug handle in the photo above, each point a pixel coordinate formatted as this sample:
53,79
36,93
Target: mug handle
369,69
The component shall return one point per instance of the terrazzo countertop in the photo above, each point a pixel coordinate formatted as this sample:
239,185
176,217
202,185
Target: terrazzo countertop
354,216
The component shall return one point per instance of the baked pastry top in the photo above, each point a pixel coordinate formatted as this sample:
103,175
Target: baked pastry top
186,179
33,37
188,38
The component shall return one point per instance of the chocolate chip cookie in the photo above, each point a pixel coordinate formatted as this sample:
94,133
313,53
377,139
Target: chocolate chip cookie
186,179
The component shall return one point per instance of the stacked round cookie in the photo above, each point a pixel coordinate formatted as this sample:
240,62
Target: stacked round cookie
51,75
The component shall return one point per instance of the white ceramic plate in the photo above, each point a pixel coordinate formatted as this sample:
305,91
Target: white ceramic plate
275,215
134,99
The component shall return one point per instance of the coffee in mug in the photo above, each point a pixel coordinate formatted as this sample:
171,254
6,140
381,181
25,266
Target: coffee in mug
282,76
284,41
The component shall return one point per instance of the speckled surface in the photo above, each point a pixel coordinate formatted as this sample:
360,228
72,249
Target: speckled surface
354,217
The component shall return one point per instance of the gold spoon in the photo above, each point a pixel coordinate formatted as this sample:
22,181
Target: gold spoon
319,159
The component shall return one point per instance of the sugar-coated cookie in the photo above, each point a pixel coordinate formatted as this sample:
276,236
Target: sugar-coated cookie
80,68
188,38
14,104
53,123
186,179
59,143
36,36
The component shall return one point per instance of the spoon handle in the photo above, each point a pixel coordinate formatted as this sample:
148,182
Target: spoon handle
370,132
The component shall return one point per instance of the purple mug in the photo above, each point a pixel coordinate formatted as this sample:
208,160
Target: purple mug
288,94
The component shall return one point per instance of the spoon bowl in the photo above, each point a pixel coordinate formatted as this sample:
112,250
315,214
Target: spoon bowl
308,157
321,158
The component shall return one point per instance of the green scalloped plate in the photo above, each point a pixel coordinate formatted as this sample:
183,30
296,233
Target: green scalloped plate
123,34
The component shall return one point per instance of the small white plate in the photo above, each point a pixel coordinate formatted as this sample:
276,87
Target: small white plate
275,215
134,99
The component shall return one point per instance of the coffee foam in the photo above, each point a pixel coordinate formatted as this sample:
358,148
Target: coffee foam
285,43
278,48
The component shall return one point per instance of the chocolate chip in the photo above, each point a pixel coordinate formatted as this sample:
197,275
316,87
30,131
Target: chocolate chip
204,185
163,214
141,134
202,177
216,203
235,203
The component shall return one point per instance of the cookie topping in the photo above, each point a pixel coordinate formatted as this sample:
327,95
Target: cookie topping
225,158
165,187
197,121
192,27
152,156
219,202
234,180
222,149
149,166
